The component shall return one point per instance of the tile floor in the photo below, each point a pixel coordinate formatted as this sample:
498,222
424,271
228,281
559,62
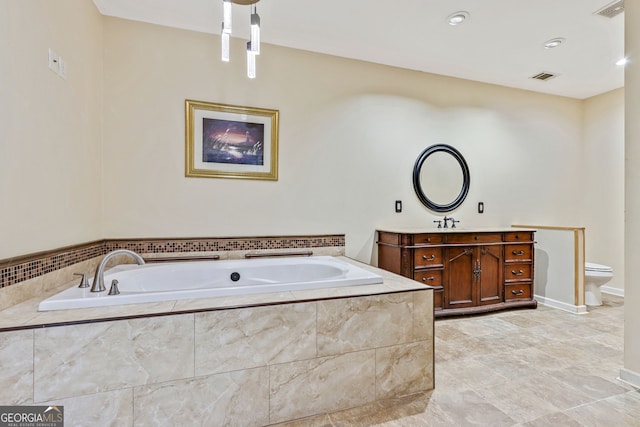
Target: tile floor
528,368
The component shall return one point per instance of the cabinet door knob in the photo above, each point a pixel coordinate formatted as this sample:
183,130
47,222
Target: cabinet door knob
517,273
431,258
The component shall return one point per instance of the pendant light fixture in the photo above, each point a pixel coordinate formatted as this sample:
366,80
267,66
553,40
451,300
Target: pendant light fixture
255,31
253,45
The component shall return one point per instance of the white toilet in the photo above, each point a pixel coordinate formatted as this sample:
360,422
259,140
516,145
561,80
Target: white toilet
595,275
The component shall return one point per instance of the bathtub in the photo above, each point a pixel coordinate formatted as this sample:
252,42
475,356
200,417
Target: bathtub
204,279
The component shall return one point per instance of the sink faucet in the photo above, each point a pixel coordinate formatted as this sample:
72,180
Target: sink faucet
98,279
453,222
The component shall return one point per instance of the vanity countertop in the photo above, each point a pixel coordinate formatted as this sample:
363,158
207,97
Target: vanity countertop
433,229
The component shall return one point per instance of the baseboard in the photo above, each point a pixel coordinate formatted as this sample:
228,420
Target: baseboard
576,309
630,377
612,291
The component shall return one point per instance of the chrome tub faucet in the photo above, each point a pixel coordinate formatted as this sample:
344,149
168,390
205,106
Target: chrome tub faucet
98,278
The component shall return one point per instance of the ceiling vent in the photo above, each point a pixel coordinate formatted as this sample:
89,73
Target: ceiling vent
611,10
544,76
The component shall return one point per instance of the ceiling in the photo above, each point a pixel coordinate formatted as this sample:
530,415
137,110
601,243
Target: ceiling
502,42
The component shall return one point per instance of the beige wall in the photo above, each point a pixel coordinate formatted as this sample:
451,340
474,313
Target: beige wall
50,128
631,370
349,134
603,199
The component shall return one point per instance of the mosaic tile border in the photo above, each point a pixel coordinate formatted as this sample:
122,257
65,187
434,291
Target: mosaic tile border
19,269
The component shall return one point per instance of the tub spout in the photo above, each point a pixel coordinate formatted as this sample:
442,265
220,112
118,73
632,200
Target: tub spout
98,278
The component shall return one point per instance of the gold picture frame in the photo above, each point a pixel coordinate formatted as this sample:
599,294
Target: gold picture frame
229,141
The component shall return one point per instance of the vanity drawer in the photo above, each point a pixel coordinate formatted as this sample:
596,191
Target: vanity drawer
426,257
517,252
427,238
518,291
474,238
428,277
518,236
391,238
517,272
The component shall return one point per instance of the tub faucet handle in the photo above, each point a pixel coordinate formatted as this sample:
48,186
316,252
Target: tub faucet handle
439,221
114,288
453,222
84,282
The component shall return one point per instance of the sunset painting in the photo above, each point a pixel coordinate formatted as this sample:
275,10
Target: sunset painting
227,141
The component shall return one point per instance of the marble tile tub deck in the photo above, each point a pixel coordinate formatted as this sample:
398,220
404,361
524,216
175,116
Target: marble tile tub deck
528,368
26,315
246,361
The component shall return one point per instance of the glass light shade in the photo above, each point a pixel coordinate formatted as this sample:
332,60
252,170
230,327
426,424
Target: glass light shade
255,33
226,16
225,46
251,62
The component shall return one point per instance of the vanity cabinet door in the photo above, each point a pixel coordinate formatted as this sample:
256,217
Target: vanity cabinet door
473,276
459,272
489,277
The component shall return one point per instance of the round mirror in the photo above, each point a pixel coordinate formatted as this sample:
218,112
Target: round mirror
441,178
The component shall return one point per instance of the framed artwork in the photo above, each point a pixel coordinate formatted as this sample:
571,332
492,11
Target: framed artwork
228,141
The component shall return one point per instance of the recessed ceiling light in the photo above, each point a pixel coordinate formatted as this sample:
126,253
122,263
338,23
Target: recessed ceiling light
622,61
457,18
554,43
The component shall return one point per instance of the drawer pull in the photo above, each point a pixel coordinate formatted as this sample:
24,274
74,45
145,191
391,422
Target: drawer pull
517,273
518,253
431,258
520,292
424,279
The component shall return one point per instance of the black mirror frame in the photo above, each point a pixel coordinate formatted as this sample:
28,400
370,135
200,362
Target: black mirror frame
465,178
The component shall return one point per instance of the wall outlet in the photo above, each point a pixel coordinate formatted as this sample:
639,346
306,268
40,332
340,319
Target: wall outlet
53,61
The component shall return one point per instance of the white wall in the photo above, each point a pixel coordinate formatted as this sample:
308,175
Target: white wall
50,128
349,135
603,185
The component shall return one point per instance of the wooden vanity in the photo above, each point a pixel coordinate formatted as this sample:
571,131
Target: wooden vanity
471,271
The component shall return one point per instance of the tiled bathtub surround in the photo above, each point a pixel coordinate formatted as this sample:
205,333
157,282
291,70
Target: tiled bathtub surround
29,276
218,361
243,366
19,269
